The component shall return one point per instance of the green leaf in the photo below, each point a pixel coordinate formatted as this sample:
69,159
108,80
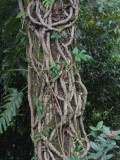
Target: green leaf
58,67
55,36
48,3
83,51
64,33
94,146
36,102
53,65
106,129
53,75
37,135
96,155
117,132
113,142
86,58
64,63
42,115
21,14
39,108
6,51
13,102
37,139
48,131
75,51
102,140
75,157
78,58
117,138
99,125
94,134
93,128
34,158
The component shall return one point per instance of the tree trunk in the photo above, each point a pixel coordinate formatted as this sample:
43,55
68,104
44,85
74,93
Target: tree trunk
56,94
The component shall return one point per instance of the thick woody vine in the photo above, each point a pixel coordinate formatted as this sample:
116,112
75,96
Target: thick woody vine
56,94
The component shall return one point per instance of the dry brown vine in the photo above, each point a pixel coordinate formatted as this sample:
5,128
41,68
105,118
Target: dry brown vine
63,97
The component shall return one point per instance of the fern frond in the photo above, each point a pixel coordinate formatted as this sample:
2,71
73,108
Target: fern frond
12,103
48,3
11,26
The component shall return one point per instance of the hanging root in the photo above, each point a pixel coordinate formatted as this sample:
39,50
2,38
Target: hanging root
62,97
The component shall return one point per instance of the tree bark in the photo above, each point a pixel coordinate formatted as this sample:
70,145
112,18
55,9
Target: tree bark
56,94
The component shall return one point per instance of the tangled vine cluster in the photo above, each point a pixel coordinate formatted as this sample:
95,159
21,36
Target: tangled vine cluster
54,80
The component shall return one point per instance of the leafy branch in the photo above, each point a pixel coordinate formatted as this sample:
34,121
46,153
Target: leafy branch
48,3
80,55
11,106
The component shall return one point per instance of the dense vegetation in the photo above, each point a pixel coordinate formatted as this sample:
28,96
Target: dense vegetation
98,33
98,30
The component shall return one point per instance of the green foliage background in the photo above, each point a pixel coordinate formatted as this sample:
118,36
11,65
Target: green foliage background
15,143
98,32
